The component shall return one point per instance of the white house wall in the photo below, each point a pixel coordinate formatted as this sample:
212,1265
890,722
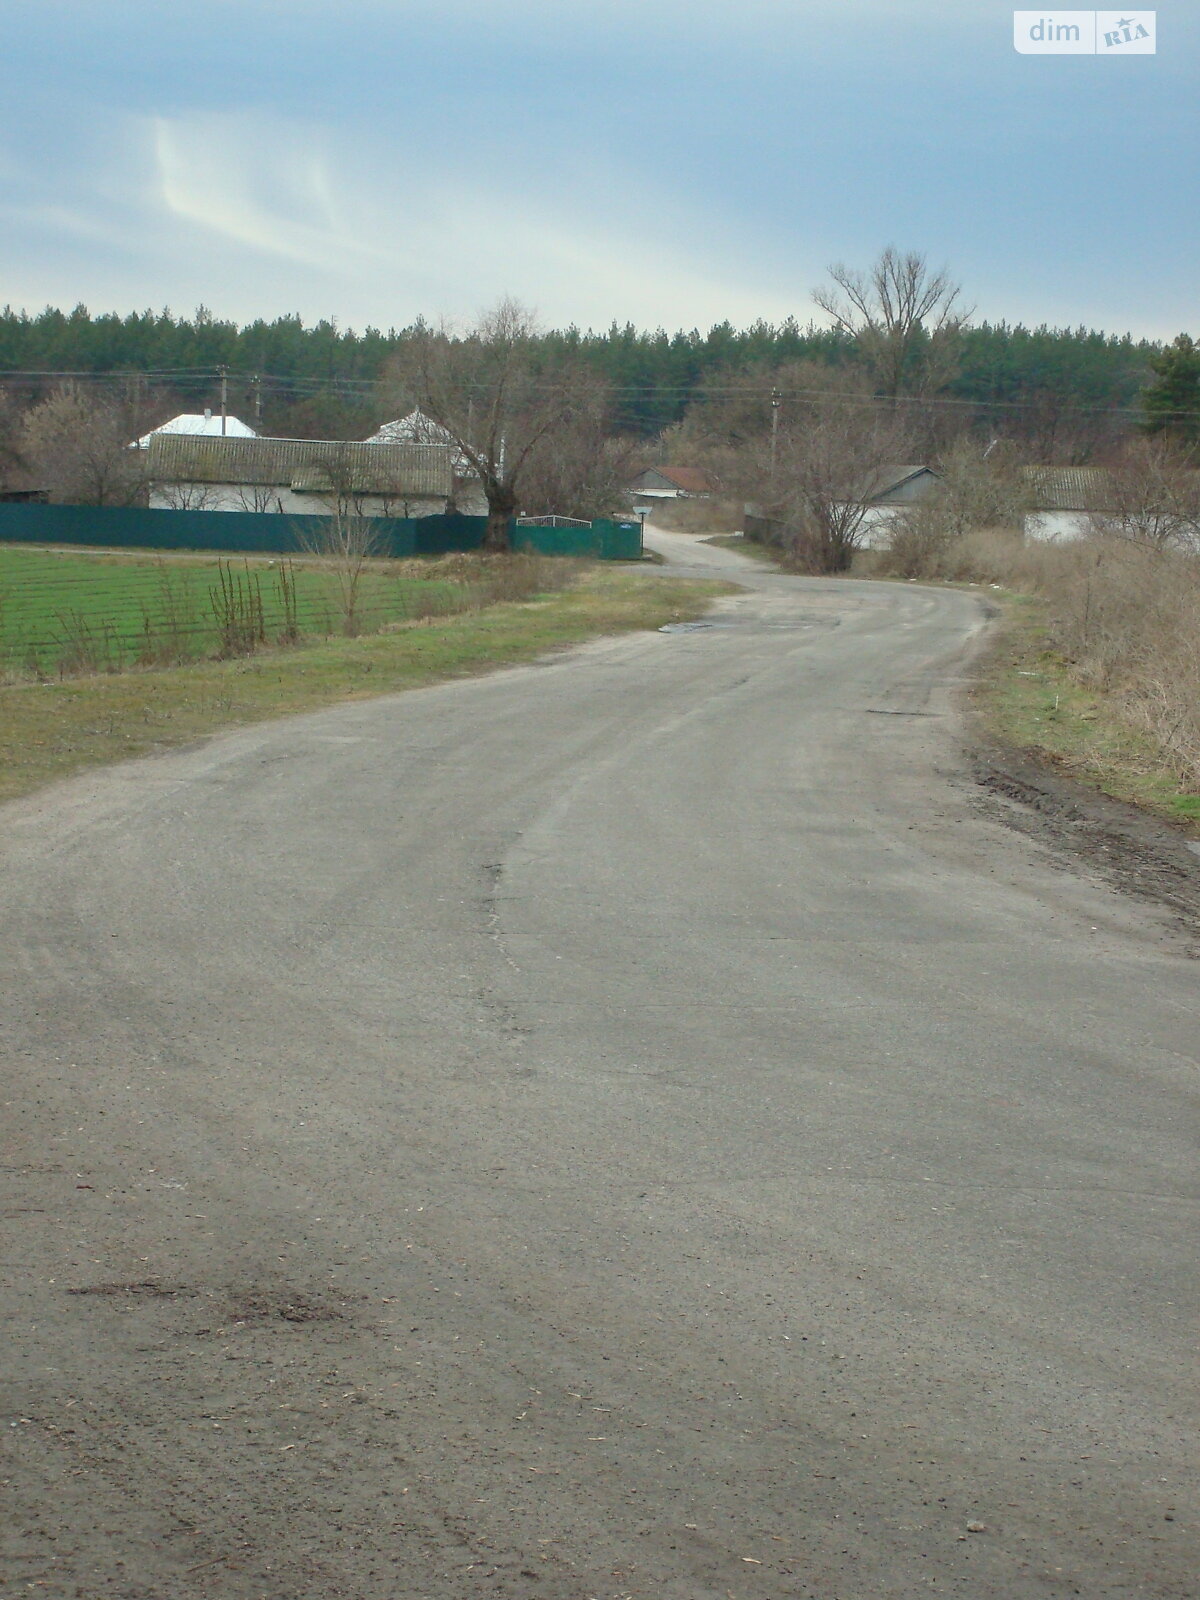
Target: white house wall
470,500
875,527
1047,527
238,497
1058,527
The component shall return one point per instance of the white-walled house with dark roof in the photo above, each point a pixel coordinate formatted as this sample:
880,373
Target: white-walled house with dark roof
1067,501
887,493
883,495
306,476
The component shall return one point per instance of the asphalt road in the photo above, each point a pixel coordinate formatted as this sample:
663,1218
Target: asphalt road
635,1125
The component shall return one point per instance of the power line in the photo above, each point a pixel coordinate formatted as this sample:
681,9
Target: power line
764,389
308,386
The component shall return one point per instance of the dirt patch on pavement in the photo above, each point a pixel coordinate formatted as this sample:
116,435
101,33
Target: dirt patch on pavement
1131,849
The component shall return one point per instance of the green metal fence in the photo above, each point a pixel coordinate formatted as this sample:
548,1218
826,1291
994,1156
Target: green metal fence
603,540
274,533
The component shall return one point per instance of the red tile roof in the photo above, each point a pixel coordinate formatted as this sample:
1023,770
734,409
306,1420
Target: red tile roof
692,480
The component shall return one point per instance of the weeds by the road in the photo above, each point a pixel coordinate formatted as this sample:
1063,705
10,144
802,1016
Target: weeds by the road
1099,665
1126,619
1030,695
51,728
237,604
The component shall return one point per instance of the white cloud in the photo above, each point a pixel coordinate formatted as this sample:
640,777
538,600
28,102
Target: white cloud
212,175
369,232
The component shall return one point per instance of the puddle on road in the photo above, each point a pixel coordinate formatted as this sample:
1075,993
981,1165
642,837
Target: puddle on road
768,624
887,711
695,627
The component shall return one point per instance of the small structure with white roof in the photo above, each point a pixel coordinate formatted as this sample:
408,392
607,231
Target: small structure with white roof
204,424
416,428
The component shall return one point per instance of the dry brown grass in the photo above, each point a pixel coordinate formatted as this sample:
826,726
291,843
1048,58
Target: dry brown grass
1123,616
698,516
1127,618
490,579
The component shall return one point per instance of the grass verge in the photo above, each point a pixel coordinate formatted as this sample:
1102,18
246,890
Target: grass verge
50,730
744,546
1027,697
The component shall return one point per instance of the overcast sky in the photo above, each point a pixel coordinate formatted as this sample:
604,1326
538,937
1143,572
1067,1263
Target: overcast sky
639,160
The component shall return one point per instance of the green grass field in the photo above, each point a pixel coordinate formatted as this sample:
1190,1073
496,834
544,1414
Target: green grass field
52,727
64,612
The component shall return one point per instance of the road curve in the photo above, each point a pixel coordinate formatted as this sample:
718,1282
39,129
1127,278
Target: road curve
630,1126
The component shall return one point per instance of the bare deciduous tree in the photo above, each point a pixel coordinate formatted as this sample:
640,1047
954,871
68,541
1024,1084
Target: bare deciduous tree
188,496
340,481
497,397
1152,496
748,405
814,477
12,461
579,470
904,318
259,497
1056,431
344,543
346,539
79,445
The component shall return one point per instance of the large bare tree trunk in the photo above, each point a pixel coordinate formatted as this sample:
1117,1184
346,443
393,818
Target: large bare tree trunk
501,506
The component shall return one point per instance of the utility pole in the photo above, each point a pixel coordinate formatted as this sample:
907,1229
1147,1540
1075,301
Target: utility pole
775,397
224,371
258,399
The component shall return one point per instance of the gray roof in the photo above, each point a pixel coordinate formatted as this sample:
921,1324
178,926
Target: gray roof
305,465
1069,488
885,481
689,480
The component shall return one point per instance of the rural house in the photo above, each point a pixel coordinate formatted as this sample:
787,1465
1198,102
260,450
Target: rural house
888,491
1066,501
883,494
671,483
191,473
899,486
415,428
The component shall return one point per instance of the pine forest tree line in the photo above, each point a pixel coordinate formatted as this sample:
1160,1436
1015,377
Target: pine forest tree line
319,380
